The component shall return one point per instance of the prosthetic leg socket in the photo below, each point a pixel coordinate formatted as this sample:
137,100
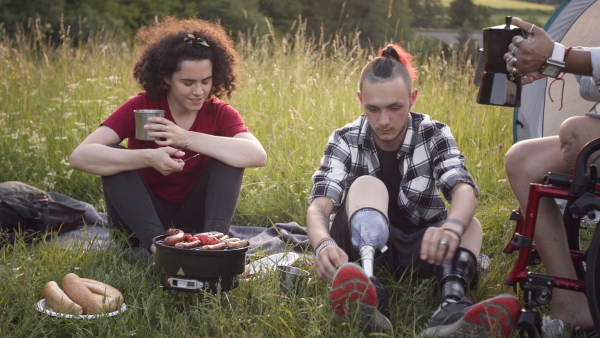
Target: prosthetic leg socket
370,233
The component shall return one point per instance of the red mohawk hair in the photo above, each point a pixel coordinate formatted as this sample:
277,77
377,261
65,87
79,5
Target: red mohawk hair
402,56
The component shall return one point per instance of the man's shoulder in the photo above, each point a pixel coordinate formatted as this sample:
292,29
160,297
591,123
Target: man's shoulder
424,121
351,129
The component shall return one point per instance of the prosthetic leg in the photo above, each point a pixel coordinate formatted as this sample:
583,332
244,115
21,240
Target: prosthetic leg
370,233
366,207
457,275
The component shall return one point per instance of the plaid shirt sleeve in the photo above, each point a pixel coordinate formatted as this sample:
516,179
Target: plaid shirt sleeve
330,179
448,163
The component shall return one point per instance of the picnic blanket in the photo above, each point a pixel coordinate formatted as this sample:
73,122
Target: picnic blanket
273,239
263,240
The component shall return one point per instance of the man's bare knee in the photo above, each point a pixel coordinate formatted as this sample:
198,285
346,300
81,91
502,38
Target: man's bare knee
573,134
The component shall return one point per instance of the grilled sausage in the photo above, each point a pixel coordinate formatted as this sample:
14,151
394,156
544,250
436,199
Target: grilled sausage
174,236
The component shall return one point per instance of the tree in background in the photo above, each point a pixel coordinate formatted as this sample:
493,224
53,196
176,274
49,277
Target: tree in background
378,21
388,21
464,13
283,14
473,17
427,13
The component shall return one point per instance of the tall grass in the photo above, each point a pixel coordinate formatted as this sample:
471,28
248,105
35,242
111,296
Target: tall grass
294,92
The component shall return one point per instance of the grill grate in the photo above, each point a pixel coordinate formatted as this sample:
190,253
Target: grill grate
198,248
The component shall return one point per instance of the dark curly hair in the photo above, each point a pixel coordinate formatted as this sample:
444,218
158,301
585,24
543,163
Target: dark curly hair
163,49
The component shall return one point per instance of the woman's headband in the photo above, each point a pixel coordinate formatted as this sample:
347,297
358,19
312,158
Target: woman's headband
192,40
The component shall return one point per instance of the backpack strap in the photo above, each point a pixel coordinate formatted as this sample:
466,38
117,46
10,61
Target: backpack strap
45,213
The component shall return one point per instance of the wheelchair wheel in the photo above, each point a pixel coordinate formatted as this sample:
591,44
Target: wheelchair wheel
579,236
592,279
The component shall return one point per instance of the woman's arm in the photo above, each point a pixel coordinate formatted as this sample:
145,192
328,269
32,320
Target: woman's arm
241,151
95,156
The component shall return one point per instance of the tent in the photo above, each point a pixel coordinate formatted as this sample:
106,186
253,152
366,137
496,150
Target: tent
574,23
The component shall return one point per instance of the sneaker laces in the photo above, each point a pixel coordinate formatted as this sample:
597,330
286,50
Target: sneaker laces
445,303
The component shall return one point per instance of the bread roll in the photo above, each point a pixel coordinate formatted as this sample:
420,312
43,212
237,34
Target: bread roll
59,301
103,289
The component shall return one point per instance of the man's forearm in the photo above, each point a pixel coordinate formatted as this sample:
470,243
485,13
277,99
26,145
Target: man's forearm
317,225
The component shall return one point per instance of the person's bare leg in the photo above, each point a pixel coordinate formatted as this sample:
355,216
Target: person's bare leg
527,162
472,238
574,133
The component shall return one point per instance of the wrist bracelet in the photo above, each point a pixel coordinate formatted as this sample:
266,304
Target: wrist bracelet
324,243
457,222
454,232
315,247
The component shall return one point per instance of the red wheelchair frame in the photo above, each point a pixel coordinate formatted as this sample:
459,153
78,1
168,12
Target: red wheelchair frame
582,193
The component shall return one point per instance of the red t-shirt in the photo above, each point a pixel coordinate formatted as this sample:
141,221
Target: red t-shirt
214,118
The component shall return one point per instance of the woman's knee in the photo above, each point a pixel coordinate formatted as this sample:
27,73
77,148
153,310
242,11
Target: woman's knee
225,169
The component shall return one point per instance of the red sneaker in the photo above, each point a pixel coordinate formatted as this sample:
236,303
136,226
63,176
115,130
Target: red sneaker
495,317
353,294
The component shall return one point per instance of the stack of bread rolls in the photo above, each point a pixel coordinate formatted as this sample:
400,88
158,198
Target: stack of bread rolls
82,296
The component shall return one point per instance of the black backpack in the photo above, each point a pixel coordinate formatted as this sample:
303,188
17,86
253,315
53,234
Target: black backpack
30,211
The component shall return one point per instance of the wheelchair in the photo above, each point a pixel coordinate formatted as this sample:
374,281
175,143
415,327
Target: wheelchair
581,192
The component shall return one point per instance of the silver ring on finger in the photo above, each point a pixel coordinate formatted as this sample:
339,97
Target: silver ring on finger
530,29
443,242
514,71
167,127
518,41
513,50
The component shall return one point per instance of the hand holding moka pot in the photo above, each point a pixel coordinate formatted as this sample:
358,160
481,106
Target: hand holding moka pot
496,85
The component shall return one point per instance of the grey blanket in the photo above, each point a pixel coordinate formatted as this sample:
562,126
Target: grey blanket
274,239
262,240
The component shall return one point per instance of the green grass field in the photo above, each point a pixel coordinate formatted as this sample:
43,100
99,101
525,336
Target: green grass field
293,93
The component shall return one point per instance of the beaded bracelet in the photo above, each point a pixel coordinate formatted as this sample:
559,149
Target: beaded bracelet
323,243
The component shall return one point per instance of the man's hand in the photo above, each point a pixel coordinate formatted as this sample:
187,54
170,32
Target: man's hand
328,261
531,53
438,246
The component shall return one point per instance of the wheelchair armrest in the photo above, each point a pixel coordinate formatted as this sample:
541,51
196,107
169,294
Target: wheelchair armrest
557,179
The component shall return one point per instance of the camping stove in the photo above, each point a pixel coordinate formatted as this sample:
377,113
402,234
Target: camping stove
197,270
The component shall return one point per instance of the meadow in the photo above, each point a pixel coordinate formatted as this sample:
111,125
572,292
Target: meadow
294,92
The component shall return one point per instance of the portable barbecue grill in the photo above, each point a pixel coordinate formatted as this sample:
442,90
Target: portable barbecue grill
198,270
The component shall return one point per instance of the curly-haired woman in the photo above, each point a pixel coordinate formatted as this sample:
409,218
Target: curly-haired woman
184,66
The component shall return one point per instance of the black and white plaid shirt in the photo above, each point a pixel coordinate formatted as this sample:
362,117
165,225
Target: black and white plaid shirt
430,161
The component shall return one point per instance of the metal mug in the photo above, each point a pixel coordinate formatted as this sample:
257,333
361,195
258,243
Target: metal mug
141,119
292,280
